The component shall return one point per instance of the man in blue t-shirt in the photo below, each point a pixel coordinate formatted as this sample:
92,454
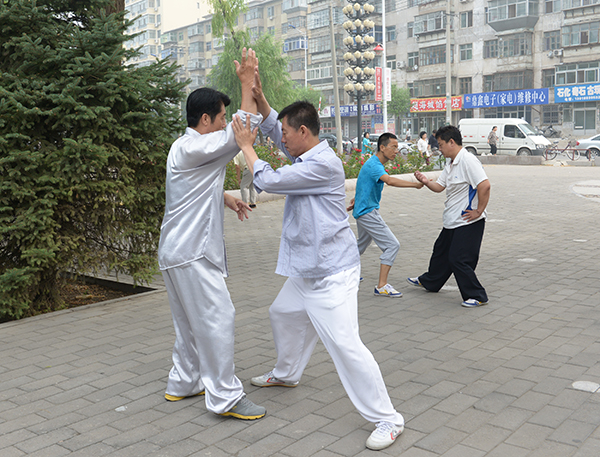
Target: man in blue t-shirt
371,226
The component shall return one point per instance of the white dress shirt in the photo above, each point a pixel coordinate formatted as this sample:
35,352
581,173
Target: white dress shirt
316,239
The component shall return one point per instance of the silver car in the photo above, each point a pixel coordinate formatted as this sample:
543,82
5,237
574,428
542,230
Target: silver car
590,145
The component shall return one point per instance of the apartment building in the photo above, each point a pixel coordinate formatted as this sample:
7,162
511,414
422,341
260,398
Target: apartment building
531,59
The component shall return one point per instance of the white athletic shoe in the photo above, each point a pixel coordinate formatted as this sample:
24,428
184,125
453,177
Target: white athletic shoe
268,380
384,435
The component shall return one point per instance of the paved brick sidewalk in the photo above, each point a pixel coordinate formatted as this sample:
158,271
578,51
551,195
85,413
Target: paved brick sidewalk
494,381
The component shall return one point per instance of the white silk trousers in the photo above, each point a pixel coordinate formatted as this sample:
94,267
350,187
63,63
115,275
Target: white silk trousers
203,317
309,308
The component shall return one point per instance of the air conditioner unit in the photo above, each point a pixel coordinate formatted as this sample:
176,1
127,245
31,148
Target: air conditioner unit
271,18
558,52
402,64
551,54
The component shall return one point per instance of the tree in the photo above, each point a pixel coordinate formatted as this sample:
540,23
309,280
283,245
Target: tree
83,143
276,81
225,13
310,95
400,103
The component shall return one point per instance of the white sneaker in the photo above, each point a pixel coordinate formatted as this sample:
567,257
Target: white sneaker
268,380
387,291
384,435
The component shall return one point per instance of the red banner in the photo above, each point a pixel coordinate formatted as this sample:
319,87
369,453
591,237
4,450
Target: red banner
378,89
421,105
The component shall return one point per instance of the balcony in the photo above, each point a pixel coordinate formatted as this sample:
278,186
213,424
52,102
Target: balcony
512,14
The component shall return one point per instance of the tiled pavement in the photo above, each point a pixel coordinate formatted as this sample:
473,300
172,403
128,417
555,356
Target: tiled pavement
494,381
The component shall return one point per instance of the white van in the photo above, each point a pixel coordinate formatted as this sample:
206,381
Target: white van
515,136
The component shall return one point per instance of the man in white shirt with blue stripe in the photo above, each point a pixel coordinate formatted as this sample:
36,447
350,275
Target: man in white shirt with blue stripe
319,255
456,251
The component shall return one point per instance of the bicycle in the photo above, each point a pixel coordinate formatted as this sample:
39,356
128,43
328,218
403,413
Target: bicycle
550,132
570,152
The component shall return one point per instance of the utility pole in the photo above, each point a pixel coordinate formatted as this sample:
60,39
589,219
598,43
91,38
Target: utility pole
384,69
336,92
448,67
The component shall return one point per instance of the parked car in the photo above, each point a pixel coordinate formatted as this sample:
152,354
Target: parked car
332,140
590,144
403,146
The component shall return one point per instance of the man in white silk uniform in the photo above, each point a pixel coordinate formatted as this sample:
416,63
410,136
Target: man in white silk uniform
319,255
191,251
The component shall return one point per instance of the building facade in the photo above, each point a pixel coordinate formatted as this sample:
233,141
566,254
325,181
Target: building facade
531,59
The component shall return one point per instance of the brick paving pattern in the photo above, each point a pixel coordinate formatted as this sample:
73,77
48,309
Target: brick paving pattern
493,381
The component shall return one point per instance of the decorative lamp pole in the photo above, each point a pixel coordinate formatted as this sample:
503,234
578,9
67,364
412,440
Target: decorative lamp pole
359,55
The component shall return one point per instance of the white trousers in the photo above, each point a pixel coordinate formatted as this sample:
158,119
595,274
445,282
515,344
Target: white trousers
247,187
203,316
326,308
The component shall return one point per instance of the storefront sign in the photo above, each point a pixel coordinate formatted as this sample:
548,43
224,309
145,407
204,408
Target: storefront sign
577,93
422,105
368,109
378,85
507,98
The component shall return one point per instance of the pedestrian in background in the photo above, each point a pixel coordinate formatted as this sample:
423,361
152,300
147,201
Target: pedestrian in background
493,140
433,143
366,143
423,146
247,190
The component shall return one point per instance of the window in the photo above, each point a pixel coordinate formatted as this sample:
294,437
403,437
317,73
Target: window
208,28
552,6
551,40
410,29
296,65
580,34
390,5
502,10
294,23
465,85
466,51
434,55
490,49
255,32
431,22
466,19
295,43
180,36
508,81
512,131
548,78
254,13
291,4
271,11
271,30
519,44
567,4
577,73
550,114
390,33
319,44
196,29
377,32
208,45
391,62
196,47
319,71
429,87
413,60
318,19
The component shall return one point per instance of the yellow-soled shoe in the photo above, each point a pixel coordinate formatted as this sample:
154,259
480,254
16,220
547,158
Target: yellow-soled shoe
174,398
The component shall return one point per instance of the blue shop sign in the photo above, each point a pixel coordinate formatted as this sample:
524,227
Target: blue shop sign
368,109
577,93
507,98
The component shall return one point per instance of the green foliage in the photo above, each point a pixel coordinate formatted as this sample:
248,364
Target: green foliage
310,95
400,103
277,84
225,13
400,165
83,145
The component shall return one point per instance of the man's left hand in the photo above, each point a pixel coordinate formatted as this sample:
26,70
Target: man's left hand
470,215
238,206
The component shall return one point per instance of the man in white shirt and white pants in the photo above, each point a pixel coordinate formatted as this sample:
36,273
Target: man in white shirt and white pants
456,251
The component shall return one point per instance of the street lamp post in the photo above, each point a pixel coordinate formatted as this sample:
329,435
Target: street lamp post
359,56
305,54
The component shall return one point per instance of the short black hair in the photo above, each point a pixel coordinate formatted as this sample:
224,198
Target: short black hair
384,139
204,101
365,134
449,132
423,132
302,113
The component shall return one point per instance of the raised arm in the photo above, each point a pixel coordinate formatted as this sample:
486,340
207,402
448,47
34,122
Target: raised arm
245,72
259,96
244,136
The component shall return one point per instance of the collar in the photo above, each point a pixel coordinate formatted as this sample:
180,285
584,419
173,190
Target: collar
459,156
322,146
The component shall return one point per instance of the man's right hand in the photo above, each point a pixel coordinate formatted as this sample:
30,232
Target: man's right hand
245,70
421,177
351,206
